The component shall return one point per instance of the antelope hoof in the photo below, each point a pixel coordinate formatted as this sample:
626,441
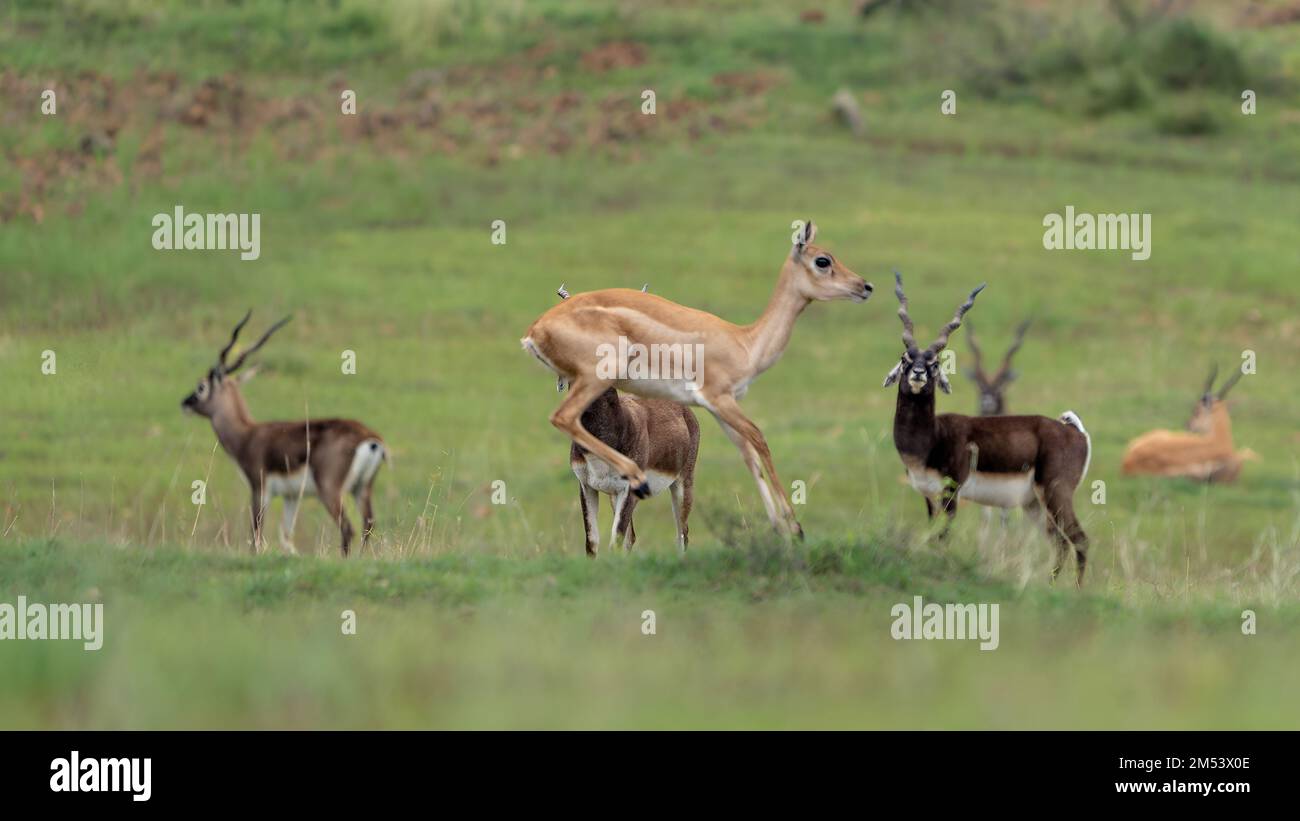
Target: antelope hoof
641,491
798,532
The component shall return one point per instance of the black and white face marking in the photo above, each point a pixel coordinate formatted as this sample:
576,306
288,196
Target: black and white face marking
197,402
920,368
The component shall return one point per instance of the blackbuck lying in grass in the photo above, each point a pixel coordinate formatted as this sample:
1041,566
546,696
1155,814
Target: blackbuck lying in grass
321,457
993,399
661,436
574,337
1205,451
1031,462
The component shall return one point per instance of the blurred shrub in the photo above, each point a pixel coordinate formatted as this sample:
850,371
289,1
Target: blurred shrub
1116,89
1186,54
1094,58
1183,117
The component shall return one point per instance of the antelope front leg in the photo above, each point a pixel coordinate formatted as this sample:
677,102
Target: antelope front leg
568,418
288,518
949,505
758,457
257,509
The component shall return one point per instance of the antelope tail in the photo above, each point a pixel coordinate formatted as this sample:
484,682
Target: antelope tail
1072,419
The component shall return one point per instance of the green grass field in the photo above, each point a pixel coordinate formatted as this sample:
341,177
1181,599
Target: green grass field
376,235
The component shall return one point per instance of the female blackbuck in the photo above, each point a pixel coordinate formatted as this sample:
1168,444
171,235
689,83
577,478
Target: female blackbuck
1031,462
661,436
322,457
602,339
1206,452
993,400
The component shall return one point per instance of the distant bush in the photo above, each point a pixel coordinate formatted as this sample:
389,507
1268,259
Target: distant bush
1093,58
1187,118
1185,54
1118,89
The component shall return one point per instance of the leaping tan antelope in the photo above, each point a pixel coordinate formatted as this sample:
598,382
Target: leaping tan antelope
1031,462
578,337
1206,452
321,457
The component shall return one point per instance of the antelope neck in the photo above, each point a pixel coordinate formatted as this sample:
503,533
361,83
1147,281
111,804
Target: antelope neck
768,336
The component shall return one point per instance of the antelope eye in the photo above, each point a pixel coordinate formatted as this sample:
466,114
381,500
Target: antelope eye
201,389
822,262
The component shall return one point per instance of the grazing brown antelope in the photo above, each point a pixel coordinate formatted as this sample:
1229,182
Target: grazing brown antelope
1031,462
992,389
1206,453
586,339
661,436
321,457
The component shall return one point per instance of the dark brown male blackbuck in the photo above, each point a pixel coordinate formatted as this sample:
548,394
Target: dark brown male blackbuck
319,457
1031,462
993,389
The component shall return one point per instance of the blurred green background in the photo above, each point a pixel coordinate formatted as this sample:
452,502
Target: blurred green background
376,235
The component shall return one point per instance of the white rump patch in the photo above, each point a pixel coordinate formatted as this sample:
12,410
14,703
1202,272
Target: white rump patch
366,460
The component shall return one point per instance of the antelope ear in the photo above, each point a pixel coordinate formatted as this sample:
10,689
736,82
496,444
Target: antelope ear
805,237
943,382
809,232
893,375
245,375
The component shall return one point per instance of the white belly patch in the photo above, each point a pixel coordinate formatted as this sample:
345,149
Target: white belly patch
992,489
999,489
596,474
299,482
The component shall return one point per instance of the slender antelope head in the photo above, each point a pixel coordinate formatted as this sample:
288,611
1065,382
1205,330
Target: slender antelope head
217,389
1208,405
822,277
922,366
993,401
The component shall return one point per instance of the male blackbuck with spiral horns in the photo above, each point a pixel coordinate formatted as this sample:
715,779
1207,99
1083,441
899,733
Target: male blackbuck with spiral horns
1031,462
321,457
599,340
